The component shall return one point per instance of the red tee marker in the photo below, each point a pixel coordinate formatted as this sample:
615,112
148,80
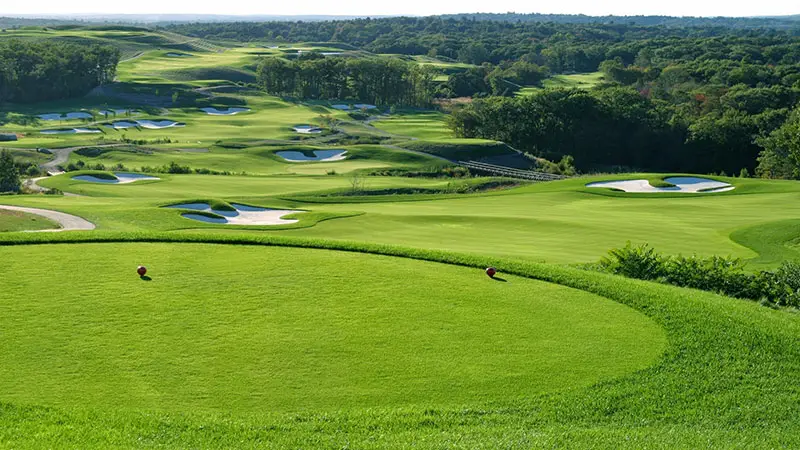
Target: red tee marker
491,271
141,270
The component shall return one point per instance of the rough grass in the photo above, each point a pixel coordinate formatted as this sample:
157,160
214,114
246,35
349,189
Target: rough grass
20,221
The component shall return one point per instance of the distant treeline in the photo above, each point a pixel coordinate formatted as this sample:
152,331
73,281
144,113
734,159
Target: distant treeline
668,21
561,47
380,81
32,71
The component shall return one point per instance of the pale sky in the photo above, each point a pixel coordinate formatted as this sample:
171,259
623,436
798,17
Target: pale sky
406,7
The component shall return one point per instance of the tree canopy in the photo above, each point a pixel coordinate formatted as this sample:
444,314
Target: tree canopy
32,71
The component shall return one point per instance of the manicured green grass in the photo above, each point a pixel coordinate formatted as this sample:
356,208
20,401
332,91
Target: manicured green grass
261,160
20,221
558,222
575,81
422,125
248,329
708,389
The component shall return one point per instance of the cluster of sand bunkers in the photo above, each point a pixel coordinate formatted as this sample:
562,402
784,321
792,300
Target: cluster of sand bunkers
241,215
691,185
130,123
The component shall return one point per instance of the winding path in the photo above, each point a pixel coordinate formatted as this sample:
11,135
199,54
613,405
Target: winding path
68,222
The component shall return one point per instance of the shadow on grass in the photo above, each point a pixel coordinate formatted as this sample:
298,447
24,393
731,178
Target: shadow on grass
145,278
502,280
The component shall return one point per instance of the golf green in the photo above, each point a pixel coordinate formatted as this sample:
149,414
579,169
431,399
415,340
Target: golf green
246,329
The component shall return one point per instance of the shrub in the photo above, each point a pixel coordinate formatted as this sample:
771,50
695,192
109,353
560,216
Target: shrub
640,262
724,275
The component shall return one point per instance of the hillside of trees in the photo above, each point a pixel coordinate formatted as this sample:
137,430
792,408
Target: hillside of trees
33,71
783,22
579,47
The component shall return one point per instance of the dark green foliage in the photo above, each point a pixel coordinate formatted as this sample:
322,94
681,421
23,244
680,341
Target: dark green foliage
32,71
379,81
455,150
9,173
723,275
617,127
781,155
640,262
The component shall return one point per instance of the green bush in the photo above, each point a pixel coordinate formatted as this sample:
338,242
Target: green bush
724,275
640,262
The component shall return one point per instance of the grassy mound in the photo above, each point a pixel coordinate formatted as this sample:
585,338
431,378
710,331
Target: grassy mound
20,221
240,329
460,149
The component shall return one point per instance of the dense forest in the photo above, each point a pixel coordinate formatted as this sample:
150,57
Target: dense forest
32,71
691,104
380,81
579,47
670,21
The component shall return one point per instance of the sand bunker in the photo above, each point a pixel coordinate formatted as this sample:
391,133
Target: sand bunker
122,178
71,131
68,116
149,124
682,184
307,129
244,215
224,112
364,106
319,155
341,107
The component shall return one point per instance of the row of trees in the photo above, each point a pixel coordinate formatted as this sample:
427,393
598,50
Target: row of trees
380,81
33,71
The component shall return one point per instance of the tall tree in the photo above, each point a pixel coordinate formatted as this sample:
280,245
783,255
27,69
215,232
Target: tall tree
9,174
781,155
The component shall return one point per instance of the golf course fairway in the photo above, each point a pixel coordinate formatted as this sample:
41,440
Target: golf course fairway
246,329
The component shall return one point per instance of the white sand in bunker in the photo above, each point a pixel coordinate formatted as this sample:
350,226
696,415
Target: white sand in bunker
144,123
72,131
319,155
364,106
122,178
68,222
244,215
341,107
224,112
68,116
307,129
691,185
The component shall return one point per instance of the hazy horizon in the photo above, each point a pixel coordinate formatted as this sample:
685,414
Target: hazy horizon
678,8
